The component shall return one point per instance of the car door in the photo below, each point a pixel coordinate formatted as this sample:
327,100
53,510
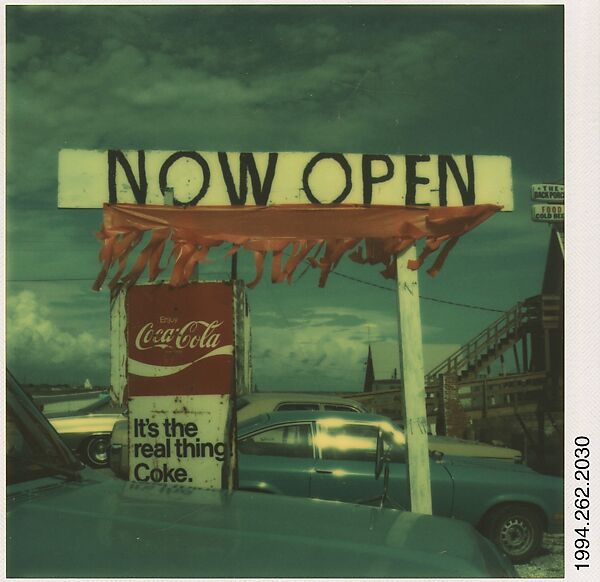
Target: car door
345,466
279,459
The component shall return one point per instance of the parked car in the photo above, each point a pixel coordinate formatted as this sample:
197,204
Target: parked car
328,455
66,521
249,405
88,435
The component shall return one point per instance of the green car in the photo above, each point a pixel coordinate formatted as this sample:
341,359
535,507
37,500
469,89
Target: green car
330,455
67,521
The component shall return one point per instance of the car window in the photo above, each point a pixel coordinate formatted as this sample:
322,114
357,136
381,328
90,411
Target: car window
357,442
340,407
33,449
349,442
293,440
241,402
16,443
29,456
298,406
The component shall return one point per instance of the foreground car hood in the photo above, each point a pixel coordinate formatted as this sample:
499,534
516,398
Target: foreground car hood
116,529
85,423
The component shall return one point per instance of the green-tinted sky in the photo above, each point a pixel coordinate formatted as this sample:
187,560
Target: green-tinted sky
382,79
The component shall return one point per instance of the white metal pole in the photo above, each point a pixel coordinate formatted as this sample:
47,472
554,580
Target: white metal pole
411,362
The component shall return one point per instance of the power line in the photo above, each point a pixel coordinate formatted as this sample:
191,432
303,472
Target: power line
49,280
384,288
349,277
420,296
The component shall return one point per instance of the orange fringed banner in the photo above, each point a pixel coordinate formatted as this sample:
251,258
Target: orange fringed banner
320,235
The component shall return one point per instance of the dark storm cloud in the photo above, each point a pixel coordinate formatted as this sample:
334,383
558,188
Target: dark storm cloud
340,78
383,79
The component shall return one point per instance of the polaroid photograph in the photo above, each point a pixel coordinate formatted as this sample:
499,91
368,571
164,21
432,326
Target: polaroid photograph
291,292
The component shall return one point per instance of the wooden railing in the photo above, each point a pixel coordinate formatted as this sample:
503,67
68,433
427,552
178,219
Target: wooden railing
509,323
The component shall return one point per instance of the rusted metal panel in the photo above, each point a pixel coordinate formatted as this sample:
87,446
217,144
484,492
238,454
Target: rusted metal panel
180,340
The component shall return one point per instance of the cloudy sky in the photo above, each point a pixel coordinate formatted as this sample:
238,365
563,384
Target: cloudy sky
378,79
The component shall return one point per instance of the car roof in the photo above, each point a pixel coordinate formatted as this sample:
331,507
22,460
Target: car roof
273,418
296,397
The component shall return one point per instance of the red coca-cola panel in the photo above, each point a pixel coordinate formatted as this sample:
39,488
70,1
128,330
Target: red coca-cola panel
180,340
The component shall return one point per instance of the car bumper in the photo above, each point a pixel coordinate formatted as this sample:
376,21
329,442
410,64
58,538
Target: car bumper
117,461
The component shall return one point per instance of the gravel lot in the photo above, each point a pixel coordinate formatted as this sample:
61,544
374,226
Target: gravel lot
550,563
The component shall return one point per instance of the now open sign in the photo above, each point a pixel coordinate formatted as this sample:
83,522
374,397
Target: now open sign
89,179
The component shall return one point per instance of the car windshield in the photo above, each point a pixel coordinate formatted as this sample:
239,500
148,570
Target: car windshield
32,449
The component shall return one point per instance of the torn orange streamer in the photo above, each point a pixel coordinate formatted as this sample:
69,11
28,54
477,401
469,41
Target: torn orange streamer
329,232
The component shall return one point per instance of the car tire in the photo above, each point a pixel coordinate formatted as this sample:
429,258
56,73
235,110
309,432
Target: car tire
94,451
517,529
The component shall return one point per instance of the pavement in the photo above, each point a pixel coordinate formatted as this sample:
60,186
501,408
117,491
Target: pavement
550,563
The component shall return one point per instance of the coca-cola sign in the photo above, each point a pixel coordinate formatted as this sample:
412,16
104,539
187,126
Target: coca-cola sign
192,335
180,340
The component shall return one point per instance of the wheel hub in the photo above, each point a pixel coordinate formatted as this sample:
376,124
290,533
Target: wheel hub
99,451
516,535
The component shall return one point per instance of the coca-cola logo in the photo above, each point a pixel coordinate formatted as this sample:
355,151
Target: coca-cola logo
195,334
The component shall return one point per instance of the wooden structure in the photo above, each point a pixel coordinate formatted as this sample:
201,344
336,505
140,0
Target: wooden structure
506,383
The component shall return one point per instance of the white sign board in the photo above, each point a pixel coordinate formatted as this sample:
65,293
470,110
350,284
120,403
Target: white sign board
179,440
547,212
89,179
548,192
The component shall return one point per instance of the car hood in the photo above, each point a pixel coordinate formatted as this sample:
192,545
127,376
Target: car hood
88,423
486,463
110,528
462,447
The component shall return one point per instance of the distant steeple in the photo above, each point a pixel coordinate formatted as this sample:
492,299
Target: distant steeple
369,373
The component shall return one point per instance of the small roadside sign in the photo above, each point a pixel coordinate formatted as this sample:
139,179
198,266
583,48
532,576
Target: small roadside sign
548,192
181,373
548,212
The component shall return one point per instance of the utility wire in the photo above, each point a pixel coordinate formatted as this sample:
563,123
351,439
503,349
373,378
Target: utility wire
48,280
357,280
349,277
420,296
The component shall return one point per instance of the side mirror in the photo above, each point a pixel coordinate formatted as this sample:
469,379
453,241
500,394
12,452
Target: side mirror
436,455
382,463
383,458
